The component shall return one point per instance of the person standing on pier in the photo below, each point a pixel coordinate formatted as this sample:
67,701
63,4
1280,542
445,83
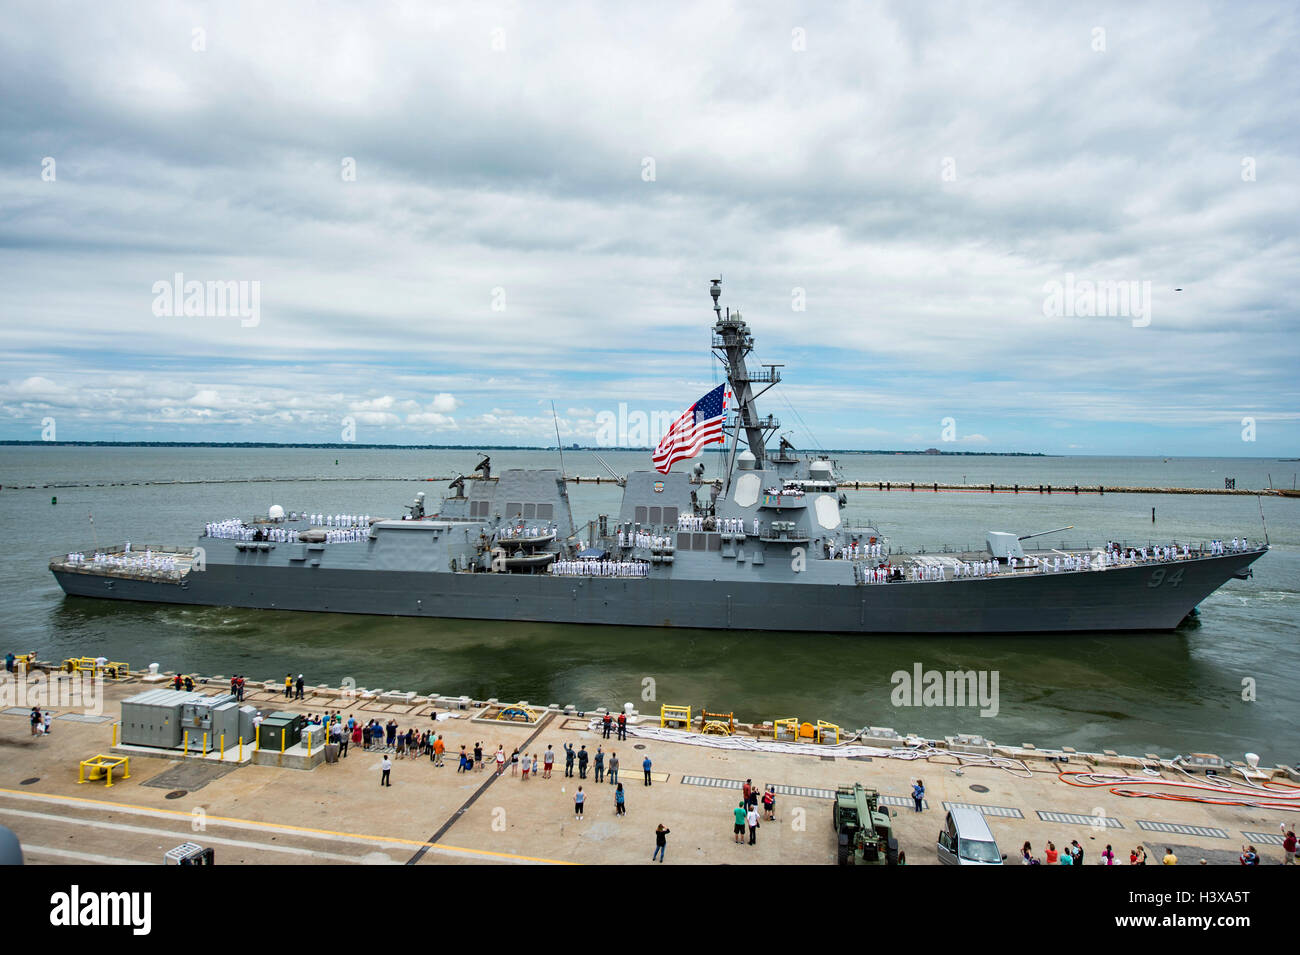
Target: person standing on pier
387,767
608,723
582,762
1288,845
578,799
600,765
613,769
298,690
620,801
288,686
622,726
751,818
645,768
548,760
568,759
918,795
661,843
738,823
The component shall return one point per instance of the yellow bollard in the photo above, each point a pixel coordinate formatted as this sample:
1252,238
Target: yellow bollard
223,747
114,734
205,742
81,773
126,767
186,734
308,744
283,734
241,749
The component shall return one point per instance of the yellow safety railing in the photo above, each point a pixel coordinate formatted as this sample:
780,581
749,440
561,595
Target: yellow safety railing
114,670
789,725
674,714
104,764
824,728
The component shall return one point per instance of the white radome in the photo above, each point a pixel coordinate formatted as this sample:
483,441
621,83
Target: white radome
276,513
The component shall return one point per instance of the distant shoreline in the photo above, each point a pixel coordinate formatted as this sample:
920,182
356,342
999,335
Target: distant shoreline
466,447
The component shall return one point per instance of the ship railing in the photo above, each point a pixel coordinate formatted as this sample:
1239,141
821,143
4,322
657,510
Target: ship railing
1074,547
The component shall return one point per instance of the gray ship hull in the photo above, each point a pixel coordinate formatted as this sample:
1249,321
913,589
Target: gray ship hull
1135,598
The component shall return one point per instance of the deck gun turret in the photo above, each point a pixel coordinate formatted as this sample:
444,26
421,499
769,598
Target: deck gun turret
1003,546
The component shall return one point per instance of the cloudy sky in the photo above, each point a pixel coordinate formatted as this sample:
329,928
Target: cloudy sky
445,217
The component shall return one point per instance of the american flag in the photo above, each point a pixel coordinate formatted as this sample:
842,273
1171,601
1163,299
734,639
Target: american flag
701,424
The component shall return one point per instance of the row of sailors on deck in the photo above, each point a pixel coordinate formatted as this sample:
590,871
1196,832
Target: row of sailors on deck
1118,555
232,529
346,535
340,520
509,533
146,561
977,568
786,491
854,551
727,525
641,539
600,568
1237,545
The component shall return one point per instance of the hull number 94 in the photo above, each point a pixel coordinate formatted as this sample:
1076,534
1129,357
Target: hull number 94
1161,576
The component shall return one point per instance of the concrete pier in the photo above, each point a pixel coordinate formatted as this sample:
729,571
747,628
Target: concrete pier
338,813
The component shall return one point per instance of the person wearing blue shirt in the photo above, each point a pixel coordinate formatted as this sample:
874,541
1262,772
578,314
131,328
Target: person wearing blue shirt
645,765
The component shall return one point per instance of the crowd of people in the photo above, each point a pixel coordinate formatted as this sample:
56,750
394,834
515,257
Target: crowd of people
1073,854
230,529
746,816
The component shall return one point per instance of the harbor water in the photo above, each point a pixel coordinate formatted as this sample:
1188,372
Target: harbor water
1227,681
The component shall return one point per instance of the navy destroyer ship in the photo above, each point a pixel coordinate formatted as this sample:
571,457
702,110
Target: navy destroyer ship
761,546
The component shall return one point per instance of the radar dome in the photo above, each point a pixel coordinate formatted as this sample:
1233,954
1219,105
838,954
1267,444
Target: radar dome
276,513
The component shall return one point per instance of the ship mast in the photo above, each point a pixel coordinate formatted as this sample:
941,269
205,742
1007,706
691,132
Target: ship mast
732,343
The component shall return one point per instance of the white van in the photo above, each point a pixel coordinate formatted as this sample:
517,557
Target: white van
965,839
